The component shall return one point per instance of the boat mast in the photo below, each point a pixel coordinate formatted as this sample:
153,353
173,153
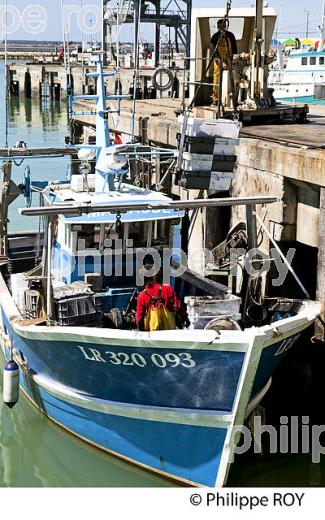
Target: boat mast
104,181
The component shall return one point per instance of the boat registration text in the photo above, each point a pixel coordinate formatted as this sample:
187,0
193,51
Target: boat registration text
167,360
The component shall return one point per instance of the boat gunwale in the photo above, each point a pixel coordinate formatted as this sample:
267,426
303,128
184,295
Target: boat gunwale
192,339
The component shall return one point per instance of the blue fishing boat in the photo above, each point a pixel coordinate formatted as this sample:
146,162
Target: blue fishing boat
168,401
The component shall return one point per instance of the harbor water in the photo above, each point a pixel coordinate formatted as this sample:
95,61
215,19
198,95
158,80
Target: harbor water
34,452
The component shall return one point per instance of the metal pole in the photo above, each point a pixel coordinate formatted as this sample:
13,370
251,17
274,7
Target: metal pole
49,262
304,290
188,31
307,12
63,36
144,206
169,48
82,46
322,30
220,89
320,294
104,35
157,35
251,246
137,11
184,82
136,51
6,77
258,48
118,36
251,227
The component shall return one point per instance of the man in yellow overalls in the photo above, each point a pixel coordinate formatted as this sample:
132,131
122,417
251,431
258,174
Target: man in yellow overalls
226,45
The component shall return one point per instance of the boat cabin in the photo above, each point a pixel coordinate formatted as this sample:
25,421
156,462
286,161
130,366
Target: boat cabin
106,240
306,61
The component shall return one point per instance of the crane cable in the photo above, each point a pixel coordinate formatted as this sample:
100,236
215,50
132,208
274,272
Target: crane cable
228,9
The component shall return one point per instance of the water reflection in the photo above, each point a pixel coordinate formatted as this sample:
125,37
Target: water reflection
40,125
34,452
41,117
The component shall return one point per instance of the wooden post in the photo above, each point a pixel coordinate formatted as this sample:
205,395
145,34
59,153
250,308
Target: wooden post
320,324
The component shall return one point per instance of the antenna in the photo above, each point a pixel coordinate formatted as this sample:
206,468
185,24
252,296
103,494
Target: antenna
63,34
82,41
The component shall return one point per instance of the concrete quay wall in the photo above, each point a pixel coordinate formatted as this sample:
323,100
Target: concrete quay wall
293,174
26,79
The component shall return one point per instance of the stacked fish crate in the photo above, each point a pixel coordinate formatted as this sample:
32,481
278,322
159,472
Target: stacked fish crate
208,152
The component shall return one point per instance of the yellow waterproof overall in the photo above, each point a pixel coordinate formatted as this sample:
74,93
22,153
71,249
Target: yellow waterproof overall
223,56
158,316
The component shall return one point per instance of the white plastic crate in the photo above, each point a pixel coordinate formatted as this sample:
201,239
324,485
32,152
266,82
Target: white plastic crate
197,126
202,309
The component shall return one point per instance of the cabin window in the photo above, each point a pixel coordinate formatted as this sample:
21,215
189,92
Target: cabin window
139,232
155,234
321,60
313,60
304,61
88,236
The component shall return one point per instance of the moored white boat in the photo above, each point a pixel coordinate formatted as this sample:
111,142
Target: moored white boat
305,71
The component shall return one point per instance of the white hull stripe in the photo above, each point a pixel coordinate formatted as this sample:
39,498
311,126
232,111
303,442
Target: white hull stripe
188,339
207,418
230,341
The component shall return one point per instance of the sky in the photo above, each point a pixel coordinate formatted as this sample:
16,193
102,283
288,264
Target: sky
45,24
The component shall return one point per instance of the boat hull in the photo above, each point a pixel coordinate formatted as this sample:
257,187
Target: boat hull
181,452
167,401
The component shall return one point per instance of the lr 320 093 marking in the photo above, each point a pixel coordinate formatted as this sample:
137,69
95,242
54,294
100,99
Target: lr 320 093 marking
168,360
